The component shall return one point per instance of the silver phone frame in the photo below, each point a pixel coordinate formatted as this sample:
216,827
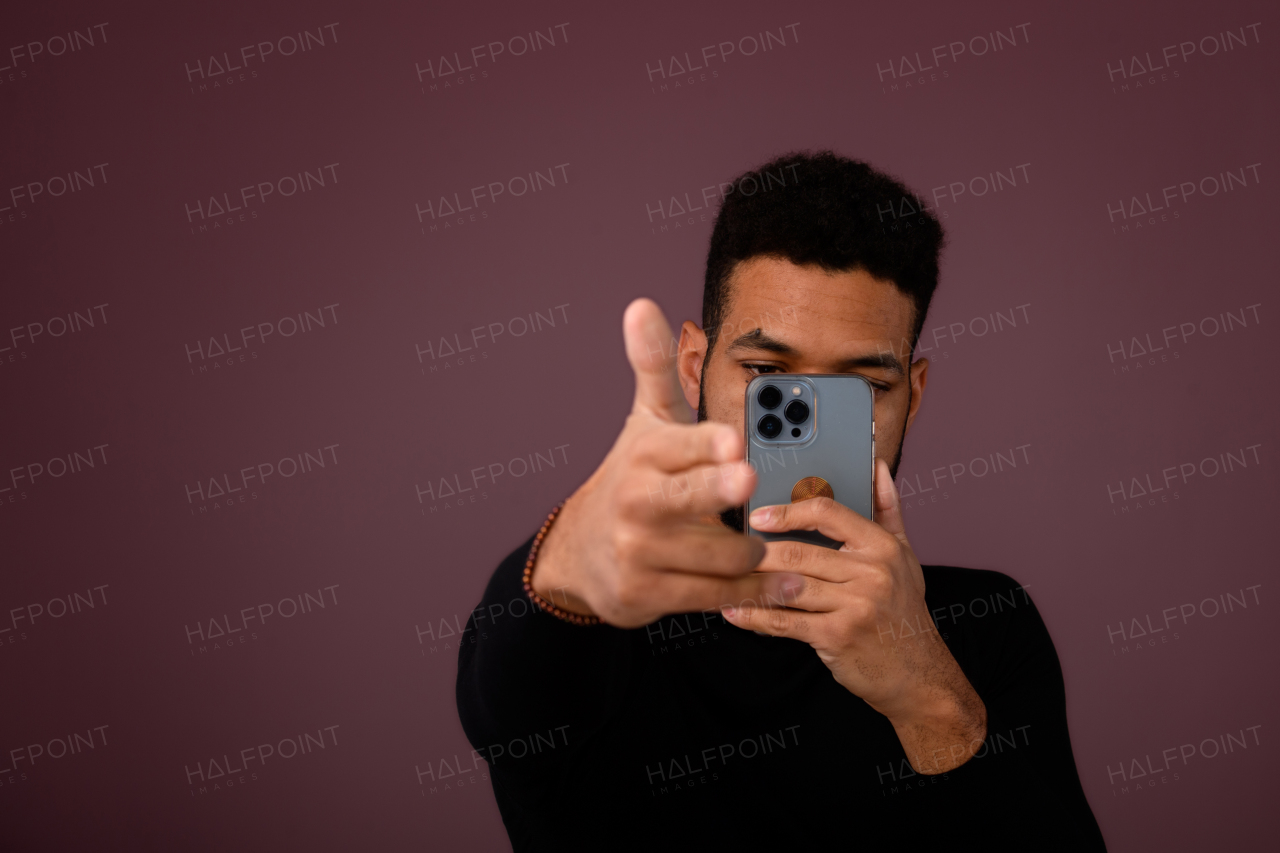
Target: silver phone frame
773,378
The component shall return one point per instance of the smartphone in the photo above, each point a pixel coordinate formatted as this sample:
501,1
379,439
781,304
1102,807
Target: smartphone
811,435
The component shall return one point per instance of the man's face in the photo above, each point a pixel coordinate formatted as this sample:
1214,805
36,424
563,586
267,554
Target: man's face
784,318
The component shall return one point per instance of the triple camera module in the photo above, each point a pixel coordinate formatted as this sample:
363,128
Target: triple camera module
796,412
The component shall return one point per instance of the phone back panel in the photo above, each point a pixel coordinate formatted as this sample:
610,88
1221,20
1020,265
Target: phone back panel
838,447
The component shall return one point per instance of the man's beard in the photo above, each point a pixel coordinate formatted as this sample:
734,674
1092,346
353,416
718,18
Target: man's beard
733,517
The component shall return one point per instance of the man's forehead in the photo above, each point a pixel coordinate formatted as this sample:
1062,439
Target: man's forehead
854,297
808,307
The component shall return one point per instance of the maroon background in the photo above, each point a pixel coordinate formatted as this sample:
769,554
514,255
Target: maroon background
1055,382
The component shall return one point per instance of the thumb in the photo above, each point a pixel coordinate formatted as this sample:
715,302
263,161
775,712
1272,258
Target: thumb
888,506
651,349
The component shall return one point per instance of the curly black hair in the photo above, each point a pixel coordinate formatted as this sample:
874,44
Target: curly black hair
832,211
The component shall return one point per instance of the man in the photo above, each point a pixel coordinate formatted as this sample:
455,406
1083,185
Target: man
684,685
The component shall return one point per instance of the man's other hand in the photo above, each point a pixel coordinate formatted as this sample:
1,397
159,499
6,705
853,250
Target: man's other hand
862,608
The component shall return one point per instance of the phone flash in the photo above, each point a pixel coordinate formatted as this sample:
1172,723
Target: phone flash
795,390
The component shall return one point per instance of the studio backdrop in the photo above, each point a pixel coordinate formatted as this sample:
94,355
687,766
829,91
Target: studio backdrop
312,311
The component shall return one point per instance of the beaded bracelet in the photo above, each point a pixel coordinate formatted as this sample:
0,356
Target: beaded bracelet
547,606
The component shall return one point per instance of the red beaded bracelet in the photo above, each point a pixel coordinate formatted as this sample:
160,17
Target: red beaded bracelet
547,606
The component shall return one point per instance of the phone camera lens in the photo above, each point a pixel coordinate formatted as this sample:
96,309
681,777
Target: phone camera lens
795,432
769,397
770,426
797,411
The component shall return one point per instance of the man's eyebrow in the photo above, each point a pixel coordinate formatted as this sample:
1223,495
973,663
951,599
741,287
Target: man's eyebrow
757,339
883,360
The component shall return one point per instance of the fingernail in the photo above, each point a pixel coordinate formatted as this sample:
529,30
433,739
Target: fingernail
762,515
727,611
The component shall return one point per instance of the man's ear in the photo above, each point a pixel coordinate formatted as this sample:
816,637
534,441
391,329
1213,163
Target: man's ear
919,378
693,350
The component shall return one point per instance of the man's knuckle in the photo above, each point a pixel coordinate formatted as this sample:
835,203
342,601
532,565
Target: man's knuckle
880,584
791,555
627,592
860,611
627,547
887,548
646,444
822,506
631,498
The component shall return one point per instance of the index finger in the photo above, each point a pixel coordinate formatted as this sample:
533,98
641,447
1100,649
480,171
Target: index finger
833,520
805,558
678,448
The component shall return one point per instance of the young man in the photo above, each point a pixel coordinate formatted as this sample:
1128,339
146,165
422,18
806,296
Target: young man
681,684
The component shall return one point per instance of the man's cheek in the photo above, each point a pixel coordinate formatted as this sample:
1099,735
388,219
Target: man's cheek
890,414
723,395
887,417
732,410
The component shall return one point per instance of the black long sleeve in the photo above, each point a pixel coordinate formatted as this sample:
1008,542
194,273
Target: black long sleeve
691,731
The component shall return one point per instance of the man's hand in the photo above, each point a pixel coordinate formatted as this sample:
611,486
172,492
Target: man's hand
633,543
862,608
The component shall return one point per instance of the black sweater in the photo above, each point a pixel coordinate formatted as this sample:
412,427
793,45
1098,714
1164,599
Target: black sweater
690,733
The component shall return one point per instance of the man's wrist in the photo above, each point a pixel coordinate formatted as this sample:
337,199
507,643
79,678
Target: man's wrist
942,732
547,579
558,595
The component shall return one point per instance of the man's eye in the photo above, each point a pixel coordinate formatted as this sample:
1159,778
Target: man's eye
762,369
879,387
